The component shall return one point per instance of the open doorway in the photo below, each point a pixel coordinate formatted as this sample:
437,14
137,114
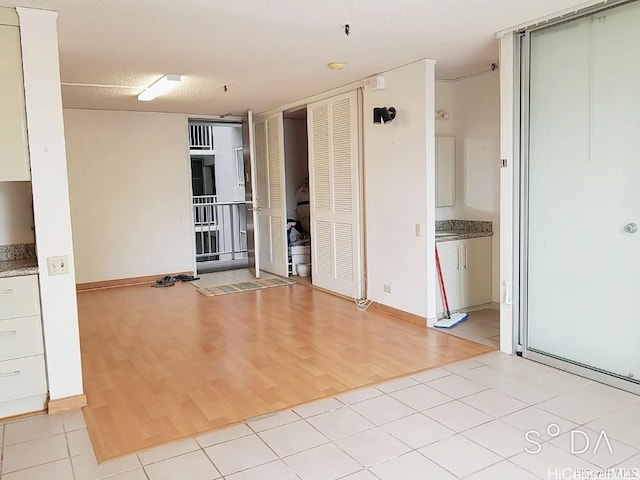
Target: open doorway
334,244
296,154
468,204
218,195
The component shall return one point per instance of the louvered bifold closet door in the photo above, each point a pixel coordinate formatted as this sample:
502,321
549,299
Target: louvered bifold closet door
335,194
270,194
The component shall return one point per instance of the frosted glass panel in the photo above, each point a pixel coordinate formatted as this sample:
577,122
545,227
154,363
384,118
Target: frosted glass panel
584,178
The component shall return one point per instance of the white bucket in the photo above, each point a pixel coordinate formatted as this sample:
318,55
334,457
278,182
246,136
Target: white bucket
300,254
304,269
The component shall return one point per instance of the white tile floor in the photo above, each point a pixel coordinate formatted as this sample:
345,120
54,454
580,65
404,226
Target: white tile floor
464,421
482,326
227,277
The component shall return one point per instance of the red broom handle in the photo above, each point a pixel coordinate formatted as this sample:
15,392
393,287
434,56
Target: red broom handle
444,290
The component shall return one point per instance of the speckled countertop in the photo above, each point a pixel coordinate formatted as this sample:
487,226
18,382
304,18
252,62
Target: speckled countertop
16,268
462,230
18,260
462,236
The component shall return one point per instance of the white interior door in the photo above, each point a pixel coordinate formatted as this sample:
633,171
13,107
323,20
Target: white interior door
248,152
269,195
583,192
334,181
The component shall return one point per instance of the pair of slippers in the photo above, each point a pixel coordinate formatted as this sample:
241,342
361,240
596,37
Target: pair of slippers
169,281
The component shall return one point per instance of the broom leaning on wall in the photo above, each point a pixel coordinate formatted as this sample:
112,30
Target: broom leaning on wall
449,320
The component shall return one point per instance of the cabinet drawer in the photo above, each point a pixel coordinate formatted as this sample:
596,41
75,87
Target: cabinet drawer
20,337
19,296
22,377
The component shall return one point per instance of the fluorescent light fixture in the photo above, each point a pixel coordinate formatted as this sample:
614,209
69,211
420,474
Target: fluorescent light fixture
162,86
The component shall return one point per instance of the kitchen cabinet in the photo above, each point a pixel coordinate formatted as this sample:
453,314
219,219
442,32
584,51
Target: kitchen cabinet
466,268
23,381
14,150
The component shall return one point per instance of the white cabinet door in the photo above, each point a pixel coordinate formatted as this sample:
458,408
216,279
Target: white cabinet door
466,268
476,265
450,262
14,153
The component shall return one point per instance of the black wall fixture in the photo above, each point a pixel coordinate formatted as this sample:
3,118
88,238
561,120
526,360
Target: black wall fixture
383,114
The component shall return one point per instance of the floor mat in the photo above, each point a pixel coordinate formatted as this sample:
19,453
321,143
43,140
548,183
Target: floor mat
245,286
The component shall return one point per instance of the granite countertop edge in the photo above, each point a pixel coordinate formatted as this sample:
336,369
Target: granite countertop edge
18,268
463,236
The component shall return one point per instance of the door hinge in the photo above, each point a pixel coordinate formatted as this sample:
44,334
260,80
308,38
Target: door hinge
503,163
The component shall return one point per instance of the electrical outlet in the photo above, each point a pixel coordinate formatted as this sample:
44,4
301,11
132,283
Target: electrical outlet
58,265
418,230
387,289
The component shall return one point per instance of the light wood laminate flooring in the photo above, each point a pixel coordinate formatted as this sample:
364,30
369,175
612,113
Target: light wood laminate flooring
162,364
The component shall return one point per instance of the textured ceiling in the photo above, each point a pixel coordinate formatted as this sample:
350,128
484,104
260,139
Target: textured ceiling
268,52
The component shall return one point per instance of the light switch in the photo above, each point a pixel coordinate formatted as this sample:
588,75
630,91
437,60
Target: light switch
58,265
418,230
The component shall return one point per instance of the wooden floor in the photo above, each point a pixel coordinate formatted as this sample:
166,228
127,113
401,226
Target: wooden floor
162,364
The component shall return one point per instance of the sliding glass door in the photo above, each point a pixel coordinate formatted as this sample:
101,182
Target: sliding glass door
581,191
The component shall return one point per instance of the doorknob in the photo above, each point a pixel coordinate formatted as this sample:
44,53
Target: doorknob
256,209
631,227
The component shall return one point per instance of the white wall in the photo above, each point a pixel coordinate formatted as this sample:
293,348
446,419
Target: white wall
444,102
476,105
16,214
226,138
39,39
474,109
507,291
296,159
398,191
130,189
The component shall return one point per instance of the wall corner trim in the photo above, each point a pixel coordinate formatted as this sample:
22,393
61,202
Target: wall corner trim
66,404
36,11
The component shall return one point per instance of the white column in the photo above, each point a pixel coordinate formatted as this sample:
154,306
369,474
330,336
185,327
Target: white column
508,284
39,37
430,158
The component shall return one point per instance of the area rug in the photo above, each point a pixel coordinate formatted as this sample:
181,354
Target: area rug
245,286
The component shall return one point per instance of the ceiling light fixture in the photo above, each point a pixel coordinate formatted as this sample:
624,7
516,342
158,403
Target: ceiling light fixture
160,87
336,66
